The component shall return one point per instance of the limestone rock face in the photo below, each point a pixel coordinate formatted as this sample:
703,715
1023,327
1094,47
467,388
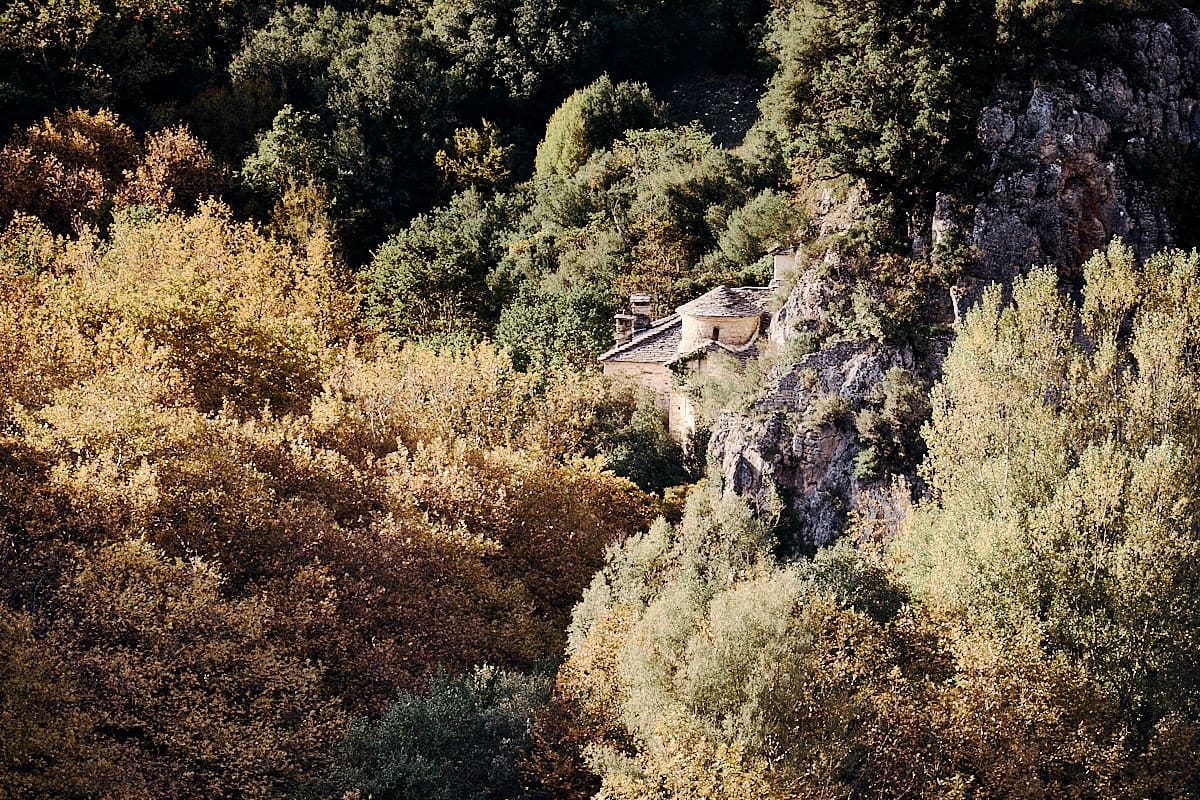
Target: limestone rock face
804,308
1094,154
794,446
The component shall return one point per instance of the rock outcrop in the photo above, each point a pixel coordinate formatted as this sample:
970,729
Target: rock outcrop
799,443
1099,152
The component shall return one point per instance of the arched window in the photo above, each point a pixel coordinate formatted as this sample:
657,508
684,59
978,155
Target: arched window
716,337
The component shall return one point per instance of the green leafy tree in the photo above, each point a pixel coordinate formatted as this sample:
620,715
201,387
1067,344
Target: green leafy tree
476,158
644,451
703,668
1064,492
636,217
567,322
360,73
510,54
1031,30
592,119
767,218
890,427
842,99
294,172
667,194
460,740
134,54
294,151
431,278
41,41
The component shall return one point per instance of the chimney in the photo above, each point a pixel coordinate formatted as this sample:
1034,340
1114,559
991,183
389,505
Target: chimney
624,331
783,261
639,304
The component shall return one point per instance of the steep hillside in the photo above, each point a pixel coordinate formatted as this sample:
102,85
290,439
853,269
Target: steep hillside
1101,144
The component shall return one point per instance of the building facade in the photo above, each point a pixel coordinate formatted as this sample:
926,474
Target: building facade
660,354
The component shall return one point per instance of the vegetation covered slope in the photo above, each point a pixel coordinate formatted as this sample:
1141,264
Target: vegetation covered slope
1030,633
229,525
304,462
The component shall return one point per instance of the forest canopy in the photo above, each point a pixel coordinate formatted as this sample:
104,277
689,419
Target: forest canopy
217,493
311,486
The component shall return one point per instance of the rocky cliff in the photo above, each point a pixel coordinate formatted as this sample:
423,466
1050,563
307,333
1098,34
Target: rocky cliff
1103,150
1110,148
800,440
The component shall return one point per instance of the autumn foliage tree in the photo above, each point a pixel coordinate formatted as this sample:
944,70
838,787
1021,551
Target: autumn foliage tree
73,167
232,517
187,691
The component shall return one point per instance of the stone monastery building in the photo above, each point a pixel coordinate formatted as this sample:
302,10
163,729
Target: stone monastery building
659,354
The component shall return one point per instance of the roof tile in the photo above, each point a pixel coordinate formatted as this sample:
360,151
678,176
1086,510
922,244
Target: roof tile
724,301
658,343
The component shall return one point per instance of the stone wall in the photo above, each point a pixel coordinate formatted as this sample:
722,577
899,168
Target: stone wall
655,377
676,408
734,331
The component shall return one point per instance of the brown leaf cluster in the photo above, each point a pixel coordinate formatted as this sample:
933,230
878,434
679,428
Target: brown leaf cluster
75,166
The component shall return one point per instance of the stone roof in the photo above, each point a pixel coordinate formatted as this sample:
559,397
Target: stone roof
746,351
724,301
660,342
657,344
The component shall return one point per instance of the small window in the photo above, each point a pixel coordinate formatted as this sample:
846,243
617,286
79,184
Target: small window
716,337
